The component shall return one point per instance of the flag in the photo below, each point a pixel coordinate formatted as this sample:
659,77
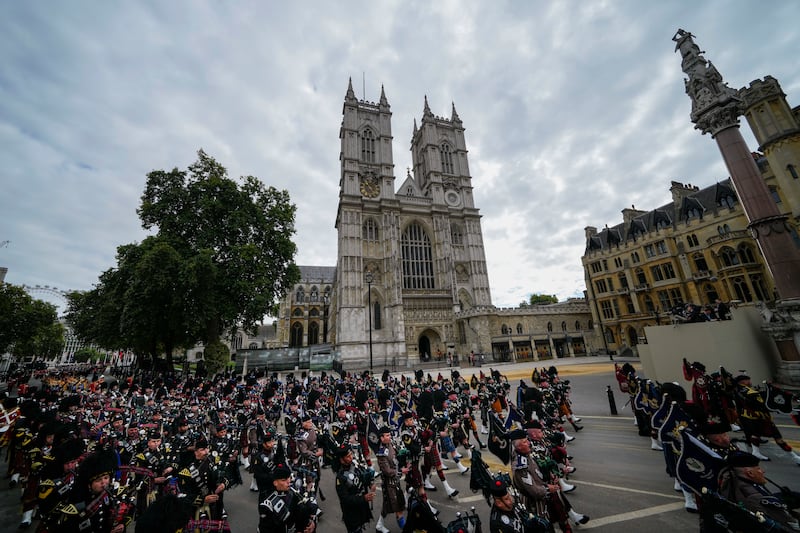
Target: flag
395,412
657,420
778,400
698,465
412,405
497,441
674,421
373,437
514,416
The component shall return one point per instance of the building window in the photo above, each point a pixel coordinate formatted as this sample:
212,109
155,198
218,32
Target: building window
367,146
417,258
456,235
610,336
700,262
313,333
447,158
577,325
313,312
519,329
692,240
661,247
563,326
297,312
710,292
757,281
596,267
410,191
296,338
692,213
792,171
300,295
729,257
550,327
727,201
618,262
605,307
605,264
623,280
773,191
658,275
742,290
648,304
635,257
376,315
504,330
676,296
590,324
649,250
640,277
314,294
370,230
746,254
600,285
664,301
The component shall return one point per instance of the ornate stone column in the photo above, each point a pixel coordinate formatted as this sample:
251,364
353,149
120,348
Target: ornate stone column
716,109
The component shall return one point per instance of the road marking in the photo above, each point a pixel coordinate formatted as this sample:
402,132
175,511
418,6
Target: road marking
625,489
633,515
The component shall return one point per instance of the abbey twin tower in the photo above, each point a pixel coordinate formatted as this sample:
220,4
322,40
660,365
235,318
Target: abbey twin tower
410,281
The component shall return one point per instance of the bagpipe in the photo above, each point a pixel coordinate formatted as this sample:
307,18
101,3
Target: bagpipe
465,523
732,517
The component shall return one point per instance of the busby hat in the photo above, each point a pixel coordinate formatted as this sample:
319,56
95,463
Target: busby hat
154,434
342,450
96,465
714,427
517,434
69,450
498,488
741,459
281,471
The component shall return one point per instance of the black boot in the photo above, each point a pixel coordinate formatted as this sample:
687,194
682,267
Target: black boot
575,426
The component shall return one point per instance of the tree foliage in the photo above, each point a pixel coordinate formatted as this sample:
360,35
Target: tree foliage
28,327
539,299
222,257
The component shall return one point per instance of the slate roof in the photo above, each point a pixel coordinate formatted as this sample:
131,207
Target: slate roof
703,201
316,273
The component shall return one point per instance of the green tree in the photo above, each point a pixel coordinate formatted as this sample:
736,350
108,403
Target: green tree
28,327
539,299
236,241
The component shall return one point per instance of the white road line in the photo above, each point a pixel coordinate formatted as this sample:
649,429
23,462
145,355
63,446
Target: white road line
625,489
633,515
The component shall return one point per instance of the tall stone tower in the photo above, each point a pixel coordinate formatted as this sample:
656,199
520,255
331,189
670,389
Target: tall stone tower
716,109
412,256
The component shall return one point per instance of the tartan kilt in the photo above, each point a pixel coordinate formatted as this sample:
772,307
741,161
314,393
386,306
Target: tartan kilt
394,501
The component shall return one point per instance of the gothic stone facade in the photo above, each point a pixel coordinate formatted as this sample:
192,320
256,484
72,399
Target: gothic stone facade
411,267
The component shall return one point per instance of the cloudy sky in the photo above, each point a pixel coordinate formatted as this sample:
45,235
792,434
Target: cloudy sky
573,110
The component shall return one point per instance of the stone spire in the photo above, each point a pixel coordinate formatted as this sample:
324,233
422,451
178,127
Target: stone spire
383,101
426,112
351,95
454,115
415,125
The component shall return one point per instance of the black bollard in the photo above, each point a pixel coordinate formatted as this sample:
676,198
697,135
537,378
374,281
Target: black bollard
612,404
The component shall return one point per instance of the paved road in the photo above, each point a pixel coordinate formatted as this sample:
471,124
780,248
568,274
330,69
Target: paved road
620,482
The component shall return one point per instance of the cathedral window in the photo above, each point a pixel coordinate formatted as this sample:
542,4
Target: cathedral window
300,295
457,234
757,281
376,315
550,327
367,146
370,230
519,329
563,326
296,339
742,290
746,254
447,158
410,191
313,333
314,294
417,258
729,257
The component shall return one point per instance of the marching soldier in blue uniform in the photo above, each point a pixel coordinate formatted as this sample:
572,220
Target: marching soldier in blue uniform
355,490
283,510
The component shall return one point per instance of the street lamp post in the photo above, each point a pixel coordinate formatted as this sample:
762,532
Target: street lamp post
325,300
369,279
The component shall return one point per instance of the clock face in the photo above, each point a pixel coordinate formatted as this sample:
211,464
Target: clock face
370,186
452,198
